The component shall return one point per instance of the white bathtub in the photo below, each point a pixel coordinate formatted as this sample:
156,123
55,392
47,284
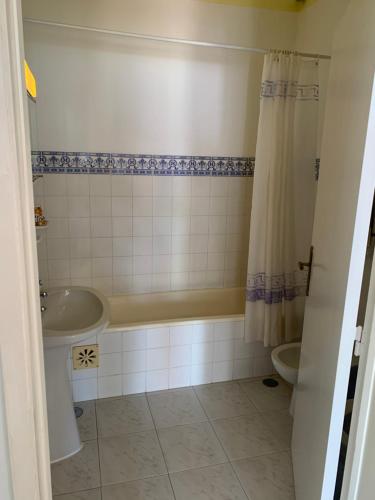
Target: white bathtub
172,339
129,312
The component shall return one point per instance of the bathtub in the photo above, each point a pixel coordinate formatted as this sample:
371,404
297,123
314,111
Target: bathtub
130,312
168,340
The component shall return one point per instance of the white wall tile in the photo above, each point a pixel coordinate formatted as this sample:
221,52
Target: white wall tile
80,268
181,244
203,332
222,370
162,226
122,206
110,364
103,284
101,227
57,228
79,206
102,266
263,366
134,383
199,224
142,206
142,264
181,335
157,337
123,284
101,247
201,374
181,186
200,186
224,350
157,380
110,342
162,206
161,281
58,269
162,245
122,266
202,353
161,263
142,245
179,377
180,355
142,283
122,247
179,281
85,390
242,368
142,226
79,227
100,185
180,225
215,279
134,340
181,205
58,248
142,185
56,206
162,186
80,248
122,185
134,361
109,387
157,359
77,184
100,206
55,185
122,226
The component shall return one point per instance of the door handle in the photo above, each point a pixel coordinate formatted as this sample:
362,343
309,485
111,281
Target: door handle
308,265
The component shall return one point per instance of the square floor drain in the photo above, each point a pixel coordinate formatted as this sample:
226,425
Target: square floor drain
85,356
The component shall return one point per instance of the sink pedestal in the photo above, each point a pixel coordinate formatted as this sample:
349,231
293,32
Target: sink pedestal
63,432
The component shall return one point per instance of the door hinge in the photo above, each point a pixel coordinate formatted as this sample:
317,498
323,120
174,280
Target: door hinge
358,343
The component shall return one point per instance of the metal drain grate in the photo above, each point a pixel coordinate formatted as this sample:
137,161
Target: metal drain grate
78,411
270,382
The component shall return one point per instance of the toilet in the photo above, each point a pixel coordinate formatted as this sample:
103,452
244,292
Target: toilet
285,359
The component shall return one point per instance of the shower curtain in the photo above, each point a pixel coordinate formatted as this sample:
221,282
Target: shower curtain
283,199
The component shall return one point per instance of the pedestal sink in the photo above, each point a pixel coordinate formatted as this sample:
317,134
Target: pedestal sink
72,315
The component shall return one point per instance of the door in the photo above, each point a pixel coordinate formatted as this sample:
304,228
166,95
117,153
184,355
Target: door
342,215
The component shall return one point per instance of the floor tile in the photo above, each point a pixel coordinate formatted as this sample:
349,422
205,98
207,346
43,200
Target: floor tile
130,457
281,424
267,477
81,495
210,483
175,407
190,446
87,421
124,415
156,488
268,398
224,400
246,436
80,472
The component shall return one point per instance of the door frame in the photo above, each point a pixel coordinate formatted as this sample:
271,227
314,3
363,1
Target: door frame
24,417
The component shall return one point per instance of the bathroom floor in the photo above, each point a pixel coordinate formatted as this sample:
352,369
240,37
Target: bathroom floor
223,441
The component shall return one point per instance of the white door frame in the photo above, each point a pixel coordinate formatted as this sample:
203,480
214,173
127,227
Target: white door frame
23,419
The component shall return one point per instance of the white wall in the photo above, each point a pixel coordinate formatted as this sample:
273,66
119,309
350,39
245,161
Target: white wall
110,94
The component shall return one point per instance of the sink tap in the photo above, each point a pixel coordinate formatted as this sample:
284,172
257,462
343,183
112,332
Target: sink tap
43,294
43,309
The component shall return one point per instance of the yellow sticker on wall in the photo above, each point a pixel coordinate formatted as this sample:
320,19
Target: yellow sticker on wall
30,81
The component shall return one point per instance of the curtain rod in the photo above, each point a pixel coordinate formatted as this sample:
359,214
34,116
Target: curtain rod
166,39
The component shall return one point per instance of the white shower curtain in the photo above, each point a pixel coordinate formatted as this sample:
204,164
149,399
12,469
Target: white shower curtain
283,199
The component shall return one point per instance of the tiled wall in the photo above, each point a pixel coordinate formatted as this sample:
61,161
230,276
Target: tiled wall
139,233
169,357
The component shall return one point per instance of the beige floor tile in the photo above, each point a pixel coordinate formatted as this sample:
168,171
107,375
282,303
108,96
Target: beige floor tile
175,407
224,400
80,472
217,482
81,495
130,457
267,477
156,488
268,398
117,416
190,446
87,421
246,436
281,424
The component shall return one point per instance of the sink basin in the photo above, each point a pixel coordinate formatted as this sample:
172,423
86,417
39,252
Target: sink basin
73,315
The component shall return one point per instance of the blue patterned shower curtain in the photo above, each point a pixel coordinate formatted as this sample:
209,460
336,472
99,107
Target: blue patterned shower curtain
283,199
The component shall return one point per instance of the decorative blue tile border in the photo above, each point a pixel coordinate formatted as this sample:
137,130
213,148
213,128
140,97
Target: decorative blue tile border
44,162
57,162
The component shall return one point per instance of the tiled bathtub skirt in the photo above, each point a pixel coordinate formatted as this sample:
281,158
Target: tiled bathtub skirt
169,357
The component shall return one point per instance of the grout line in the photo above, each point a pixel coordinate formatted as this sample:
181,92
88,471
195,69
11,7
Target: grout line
161,448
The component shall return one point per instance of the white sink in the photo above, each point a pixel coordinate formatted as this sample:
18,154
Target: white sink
73,315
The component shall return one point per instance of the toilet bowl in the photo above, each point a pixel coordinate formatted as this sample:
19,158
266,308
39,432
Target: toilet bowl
285,359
